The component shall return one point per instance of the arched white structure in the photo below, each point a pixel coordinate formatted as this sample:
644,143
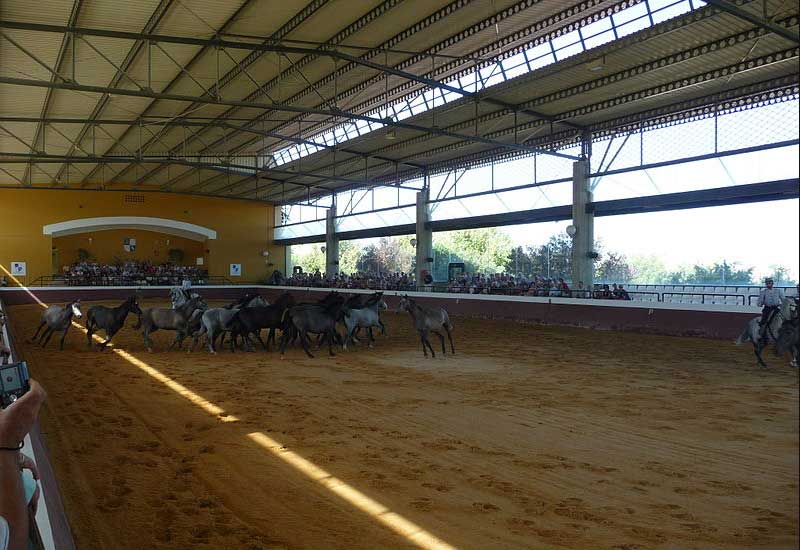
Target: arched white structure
161,225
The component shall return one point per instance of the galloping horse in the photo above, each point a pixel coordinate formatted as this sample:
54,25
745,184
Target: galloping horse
178,320
57,318
752,331
109,319
428,319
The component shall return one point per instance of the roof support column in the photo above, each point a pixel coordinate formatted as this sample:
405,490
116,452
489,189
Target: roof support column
331,243
582,229
424,239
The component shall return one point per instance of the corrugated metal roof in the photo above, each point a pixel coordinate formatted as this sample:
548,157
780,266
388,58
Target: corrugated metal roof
564,88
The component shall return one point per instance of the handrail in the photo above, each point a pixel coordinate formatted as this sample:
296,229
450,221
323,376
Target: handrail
150,280
52,509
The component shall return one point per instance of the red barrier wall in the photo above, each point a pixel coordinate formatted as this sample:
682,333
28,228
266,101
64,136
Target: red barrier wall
724,322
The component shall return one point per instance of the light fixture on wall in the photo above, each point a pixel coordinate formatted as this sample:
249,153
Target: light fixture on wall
167,242
571,230
414,243
597,65
90,240
322,248
265,253
391,134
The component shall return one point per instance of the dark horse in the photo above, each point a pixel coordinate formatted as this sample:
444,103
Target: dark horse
57,318
317,318
253,319
111,320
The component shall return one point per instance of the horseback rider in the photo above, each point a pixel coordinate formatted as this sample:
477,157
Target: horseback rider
770,299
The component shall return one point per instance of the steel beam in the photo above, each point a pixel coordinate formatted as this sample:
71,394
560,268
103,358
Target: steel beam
750,17
62,53
224,167
266,47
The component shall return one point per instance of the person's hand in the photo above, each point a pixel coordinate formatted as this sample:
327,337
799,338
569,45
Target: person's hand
17,419
27,463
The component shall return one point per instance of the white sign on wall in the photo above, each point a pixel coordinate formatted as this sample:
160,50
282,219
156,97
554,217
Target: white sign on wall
199,261
236,270
19,269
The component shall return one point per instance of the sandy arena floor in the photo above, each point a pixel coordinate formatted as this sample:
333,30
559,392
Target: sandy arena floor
530,437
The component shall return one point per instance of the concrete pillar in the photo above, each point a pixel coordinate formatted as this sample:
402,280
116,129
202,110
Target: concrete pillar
331,243
583,222
424,238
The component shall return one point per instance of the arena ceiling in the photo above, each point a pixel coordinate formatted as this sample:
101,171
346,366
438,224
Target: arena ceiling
205,96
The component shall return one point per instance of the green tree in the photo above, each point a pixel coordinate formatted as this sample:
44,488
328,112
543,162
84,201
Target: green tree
482,250
781,275
648,270
715,274
311,259
349,255
613,267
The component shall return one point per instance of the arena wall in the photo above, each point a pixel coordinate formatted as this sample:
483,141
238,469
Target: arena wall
701,320
243,227
106,247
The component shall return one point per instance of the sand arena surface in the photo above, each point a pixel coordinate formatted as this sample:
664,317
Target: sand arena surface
530,437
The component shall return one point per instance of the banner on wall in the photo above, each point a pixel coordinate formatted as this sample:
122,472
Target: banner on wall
129,245
19,269
236,270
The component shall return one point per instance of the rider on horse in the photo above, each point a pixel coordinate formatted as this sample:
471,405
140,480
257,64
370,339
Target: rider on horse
770,299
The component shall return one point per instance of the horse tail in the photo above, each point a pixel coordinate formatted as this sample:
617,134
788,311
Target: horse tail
744,336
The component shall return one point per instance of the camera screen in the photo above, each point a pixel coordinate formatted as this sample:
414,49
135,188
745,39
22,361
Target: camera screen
11,379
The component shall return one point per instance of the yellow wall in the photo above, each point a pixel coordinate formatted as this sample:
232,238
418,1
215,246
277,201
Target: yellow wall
244,228
106,247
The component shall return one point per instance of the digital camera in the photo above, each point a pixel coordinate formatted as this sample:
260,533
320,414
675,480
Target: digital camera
13,382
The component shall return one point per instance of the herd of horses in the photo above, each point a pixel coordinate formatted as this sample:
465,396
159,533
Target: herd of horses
243,320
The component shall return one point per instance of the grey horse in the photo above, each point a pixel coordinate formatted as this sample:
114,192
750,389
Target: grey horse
317,318
428,319
367,317
179,320
111,320
789,340
215,322
179,296
57,318
751,332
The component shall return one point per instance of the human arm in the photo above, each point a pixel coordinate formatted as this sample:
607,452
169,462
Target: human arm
761,297
15,423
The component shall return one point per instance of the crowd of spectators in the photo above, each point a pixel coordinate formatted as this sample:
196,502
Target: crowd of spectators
376,281
131,273
466,283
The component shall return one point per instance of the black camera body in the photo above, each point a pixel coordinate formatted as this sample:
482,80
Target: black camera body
14,382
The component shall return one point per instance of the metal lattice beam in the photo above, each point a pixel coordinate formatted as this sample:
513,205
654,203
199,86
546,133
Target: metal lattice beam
750,17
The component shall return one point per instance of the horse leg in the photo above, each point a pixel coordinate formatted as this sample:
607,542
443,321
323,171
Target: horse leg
210,338
306,342
441,337
371,337
450,337
422,339
109,335
383,327
330,341
64,335
89,332
430,347
46,336
33,339
757,348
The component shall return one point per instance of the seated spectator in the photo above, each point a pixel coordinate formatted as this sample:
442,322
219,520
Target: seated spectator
623,294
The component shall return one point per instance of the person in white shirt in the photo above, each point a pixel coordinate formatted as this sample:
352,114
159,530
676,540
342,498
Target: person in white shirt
770,300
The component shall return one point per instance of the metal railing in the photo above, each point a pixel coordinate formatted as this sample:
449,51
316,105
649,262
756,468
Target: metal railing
146,280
